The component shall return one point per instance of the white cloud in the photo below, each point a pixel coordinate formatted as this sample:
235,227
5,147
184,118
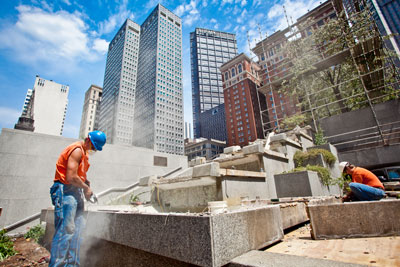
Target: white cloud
101,46
213,20
294,10
67,2
242,17
41,36
243,3
188,13
117,19
8,116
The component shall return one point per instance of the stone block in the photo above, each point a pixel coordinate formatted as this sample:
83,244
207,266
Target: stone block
187,195
148,180
355,219
293,214
201,240
278,137
252,149
231,149
302,184
208,169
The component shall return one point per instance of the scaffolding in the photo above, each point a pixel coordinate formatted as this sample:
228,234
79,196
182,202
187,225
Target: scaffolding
373,77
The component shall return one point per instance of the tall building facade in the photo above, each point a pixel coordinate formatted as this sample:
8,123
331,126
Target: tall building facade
119,88
386,14
27,101
47,104
158,122
212,123
243,103
90,110
208,51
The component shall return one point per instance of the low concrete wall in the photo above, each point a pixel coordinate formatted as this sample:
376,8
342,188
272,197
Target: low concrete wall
27,166
355,219
203,240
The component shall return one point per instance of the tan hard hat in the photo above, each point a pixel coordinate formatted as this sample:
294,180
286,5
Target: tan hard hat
342,165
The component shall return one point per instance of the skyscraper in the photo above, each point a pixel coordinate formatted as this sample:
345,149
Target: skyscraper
119,89
90,110
158,122
243,103
47,105
208,51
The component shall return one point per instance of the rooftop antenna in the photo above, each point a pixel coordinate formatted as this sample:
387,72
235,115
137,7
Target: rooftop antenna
259,30
248,40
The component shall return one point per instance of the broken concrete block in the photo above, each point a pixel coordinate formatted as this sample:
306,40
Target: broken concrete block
293,214
148,180
252,149
278,137
208,169
355,219
231,149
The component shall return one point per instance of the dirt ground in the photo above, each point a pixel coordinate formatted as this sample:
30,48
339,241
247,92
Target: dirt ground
29,253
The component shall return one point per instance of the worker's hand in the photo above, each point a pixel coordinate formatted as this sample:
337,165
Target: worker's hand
88,193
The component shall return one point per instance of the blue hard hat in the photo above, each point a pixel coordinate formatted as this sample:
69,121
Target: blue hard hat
98,139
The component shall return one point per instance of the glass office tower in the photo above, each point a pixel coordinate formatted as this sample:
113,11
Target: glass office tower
158,115
118,99
208,51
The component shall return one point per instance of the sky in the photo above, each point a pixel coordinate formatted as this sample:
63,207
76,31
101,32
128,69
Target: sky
67,40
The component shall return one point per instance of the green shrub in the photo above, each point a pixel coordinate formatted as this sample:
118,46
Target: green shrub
6,246
300,157
288,123
319,137
36,233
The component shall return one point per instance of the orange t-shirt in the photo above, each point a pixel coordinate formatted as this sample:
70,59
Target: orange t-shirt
364,176
62,163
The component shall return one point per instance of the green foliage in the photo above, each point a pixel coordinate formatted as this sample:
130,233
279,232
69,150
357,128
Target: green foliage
300,157
289,123
135,198
319,137
323,173
6,246
36,233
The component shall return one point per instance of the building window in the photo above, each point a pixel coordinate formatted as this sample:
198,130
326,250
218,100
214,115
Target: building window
240,68
233,72
226,76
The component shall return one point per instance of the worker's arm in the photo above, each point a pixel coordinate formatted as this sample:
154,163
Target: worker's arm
72,172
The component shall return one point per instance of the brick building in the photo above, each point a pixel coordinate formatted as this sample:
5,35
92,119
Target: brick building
242,101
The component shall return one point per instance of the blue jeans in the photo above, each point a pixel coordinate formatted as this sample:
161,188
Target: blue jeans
68,222
365,192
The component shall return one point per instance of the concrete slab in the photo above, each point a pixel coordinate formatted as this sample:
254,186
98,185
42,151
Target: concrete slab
209,169
231,149
147,180
293,214
202,240
302,184
256,258
355,219
253,149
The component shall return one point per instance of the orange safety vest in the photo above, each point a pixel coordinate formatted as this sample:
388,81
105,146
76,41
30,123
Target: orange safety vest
62,163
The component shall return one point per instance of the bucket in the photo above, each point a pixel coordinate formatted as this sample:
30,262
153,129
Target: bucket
216,207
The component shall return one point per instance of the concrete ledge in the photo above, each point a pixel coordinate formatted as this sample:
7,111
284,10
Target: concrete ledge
202,240
231,149
253,149
355,219
209,169
240,173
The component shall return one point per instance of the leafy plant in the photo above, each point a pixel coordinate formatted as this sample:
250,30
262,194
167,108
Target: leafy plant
135,198
300,157
36,233
289,123
6,246
319,137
